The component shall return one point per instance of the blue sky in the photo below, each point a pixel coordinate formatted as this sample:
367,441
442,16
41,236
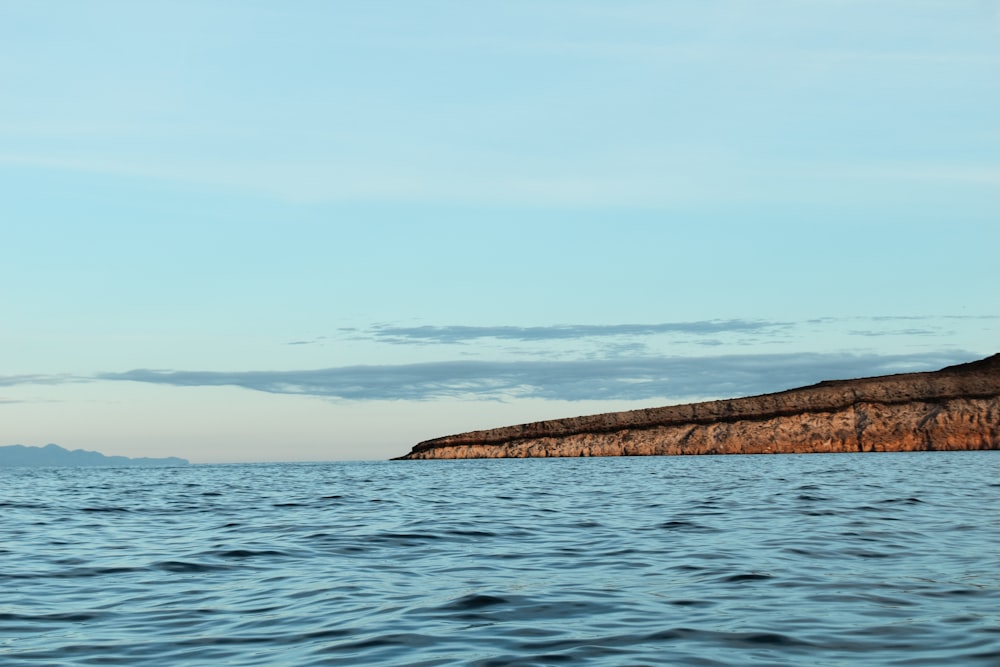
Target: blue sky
240,231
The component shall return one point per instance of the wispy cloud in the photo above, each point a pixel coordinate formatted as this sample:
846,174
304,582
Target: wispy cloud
703,332
670,378
14,380
894,332
310,341
461,334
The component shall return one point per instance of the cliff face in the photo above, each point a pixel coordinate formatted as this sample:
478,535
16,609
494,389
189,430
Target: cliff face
955,408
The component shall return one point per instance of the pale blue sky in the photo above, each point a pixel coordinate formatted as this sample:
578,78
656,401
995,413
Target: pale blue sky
320,230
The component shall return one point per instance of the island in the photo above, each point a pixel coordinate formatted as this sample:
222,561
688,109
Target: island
955,408
21,456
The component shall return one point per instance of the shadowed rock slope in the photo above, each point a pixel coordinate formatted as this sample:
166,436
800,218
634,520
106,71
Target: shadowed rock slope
956,408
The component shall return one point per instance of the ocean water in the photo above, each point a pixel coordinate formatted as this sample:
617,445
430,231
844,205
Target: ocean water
843,559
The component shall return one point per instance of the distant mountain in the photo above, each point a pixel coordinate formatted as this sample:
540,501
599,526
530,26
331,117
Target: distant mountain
54,455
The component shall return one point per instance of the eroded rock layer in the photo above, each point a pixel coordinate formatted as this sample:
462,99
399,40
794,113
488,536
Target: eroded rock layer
956,408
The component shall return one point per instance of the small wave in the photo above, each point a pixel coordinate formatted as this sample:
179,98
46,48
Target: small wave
23,506
740,640
181,566
470,533
56,617
475,601
104,509
684,525
246,553
692,603
402,538
741,578
72,573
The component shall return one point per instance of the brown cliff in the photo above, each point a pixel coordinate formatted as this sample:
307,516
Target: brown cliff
955,408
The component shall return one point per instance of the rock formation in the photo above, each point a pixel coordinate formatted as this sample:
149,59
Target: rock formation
956,408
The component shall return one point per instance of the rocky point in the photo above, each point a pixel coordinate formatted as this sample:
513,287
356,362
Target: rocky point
955,408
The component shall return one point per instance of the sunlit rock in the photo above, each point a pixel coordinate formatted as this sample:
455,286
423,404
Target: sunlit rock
956,408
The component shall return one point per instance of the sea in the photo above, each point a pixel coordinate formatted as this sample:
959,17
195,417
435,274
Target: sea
816,559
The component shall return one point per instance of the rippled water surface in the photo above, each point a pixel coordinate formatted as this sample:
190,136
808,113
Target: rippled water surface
845,559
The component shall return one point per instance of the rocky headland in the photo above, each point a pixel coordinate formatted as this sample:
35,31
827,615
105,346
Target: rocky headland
955,408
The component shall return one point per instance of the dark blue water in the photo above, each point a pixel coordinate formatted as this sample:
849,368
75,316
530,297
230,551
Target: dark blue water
844,559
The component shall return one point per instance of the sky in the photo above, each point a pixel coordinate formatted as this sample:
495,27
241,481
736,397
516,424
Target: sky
264,231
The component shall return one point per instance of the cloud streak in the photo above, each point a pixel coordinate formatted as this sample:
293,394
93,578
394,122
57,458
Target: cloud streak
462,334
14,380
669,378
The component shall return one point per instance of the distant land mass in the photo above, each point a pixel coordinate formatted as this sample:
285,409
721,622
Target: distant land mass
54,455
955,408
